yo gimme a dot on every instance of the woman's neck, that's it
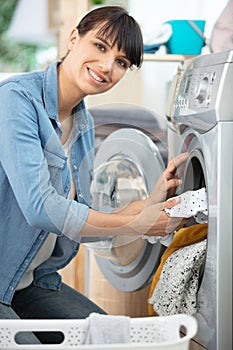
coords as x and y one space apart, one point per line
66 99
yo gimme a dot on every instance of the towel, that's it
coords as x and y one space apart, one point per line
182 238
160 35
107 329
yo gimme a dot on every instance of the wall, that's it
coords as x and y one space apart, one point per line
154 12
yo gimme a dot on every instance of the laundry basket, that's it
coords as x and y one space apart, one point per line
158 333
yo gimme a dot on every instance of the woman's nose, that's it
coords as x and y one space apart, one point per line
106 64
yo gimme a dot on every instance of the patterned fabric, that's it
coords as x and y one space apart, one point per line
177 287
184 237
193 203
166 240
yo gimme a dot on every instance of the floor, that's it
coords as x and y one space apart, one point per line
196 346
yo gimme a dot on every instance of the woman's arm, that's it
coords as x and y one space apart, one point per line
150 220
145 216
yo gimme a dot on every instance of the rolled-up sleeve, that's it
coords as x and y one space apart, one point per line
23 139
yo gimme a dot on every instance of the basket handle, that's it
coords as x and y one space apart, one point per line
190 323
197 29
11 328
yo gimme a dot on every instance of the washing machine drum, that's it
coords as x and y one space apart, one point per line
127 165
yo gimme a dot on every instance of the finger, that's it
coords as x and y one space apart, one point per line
171 203
180 158
176 162
173 183
174 224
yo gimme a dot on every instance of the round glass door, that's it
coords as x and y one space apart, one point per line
127 166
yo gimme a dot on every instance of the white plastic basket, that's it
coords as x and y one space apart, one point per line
158 333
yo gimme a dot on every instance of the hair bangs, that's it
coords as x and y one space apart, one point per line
122 33
116 25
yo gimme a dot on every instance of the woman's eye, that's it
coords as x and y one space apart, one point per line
122 63
100 47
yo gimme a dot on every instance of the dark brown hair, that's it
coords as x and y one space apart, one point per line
119 27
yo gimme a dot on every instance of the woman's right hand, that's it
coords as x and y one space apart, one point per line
167 183
153 220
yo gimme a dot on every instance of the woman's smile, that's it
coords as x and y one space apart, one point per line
96 76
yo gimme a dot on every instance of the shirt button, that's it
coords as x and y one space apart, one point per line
75 167
80 195
81 126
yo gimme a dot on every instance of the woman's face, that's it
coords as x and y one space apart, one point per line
93 65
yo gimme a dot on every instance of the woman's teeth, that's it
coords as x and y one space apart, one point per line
95 76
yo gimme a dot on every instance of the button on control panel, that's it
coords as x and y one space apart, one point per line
202 90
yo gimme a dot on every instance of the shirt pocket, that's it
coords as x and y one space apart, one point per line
56 164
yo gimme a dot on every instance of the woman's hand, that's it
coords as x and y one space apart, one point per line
166 185
153 220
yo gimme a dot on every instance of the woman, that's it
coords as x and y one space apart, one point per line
46 162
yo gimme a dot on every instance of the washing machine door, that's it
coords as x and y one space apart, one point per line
127 165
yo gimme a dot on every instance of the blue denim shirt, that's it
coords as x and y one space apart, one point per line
35 179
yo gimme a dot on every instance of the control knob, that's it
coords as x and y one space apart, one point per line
202 90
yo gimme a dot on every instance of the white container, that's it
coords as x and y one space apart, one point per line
158 333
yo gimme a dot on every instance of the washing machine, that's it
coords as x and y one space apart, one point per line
200 121
128 163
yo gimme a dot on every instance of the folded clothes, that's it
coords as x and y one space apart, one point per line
151 48
160 35
185 237
153 40
107 329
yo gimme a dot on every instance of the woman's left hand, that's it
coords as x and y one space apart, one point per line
166 185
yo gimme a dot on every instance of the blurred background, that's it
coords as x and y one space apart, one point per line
31 32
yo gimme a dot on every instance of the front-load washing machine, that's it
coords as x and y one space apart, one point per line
200 121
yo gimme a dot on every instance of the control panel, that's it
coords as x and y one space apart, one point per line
200 93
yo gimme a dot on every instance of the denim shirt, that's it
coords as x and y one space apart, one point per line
35 179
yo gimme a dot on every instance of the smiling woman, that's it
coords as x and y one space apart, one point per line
118 28
47 139
106 42
94 64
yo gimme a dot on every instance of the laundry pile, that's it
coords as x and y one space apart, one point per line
175 283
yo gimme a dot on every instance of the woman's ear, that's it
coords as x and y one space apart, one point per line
72 39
